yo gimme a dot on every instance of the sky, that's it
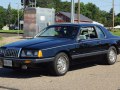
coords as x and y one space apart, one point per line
102 4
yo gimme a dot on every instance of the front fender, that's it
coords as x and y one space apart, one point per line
51 52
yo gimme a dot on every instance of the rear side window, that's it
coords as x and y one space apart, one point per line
88 32
100 33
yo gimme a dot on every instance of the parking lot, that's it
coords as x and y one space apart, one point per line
82 76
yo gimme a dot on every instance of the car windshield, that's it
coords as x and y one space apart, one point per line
59 31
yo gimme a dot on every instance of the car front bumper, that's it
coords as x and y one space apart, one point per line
18 63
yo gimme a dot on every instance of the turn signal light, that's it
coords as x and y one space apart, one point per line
40 54
27 61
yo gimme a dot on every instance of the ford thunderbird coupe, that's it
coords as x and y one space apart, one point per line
57 45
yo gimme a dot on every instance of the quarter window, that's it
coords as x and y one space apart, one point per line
101 35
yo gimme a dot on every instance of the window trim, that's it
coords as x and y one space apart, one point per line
45 29
79 33
101 31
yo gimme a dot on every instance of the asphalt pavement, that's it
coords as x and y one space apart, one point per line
82 76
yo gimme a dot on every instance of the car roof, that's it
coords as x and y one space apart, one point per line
75 24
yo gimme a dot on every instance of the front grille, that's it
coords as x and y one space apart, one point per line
10 52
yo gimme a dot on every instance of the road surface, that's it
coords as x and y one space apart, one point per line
82 76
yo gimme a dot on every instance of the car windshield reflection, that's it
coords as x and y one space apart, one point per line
59 31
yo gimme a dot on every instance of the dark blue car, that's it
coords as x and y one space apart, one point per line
57 45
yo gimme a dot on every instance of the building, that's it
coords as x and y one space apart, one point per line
36 19
65 17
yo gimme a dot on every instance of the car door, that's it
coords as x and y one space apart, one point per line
104 42
88 43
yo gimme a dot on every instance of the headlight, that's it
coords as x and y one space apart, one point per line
31 53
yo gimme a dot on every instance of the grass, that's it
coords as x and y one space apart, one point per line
1 38
2 44
116 32
12 31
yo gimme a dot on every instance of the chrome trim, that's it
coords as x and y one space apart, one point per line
59 46
87 40
12 52
52 58
89 54
33 60
19 52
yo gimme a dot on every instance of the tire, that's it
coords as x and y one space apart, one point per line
111 56
60 65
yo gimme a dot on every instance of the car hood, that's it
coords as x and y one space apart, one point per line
39 43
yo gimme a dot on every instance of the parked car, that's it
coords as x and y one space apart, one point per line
58 44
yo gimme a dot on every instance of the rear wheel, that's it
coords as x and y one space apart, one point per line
111 56
60 65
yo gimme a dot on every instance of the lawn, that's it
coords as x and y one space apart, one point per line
0 38
116 32
1 44
12 31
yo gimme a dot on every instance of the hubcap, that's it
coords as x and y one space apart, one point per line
62 64
112 56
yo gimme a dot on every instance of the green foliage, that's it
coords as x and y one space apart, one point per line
117 20
116 32
2 44
1 38
2 14
49 4
93 12
65 7
9 15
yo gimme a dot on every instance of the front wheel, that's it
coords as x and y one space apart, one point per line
60 65
111 56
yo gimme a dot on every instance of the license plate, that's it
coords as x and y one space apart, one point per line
8 63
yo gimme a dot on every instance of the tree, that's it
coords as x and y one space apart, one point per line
82 8
49 4
9 15
57 4
65 6
14 19
103 18
109 18
3 19
93 11
118 15
117 20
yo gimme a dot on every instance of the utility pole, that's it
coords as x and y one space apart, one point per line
72 11
18 19
35 3
113 14
78 11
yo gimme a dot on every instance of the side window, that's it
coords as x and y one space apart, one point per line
101 35
88 33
